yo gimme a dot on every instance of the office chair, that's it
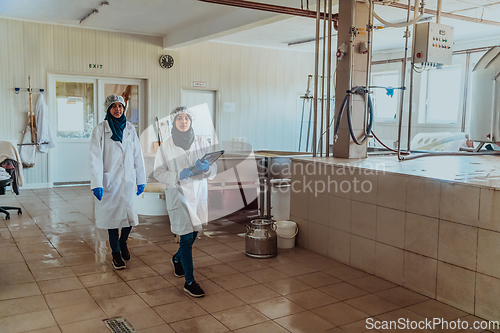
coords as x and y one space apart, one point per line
3 209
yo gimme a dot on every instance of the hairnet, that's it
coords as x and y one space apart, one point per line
181 109
112 99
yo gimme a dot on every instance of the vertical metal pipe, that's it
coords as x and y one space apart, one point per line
329 76
368 61
464 109
351 53
410 108
316 63
323 83
262 189
268 189
438 15
403 79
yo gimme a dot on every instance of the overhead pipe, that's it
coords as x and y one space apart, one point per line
449 15
274 9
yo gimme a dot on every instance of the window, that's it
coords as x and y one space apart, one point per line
385 107
443 95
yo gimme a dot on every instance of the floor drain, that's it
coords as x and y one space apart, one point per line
119 325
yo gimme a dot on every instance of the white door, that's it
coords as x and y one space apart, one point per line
190 98
73 110
76 106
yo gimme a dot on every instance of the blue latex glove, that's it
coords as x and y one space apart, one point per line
185 173
98 192
202 165
140 189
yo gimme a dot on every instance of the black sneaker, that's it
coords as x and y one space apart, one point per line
118 261
194 289
125 251
178 270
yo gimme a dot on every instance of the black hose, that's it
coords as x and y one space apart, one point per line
345 103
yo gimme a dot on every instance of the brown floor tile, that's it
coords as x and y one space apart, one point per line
66 298
255 293
116 306
402 296
345 273
99 279
95 325
78 312
343 291
203 324
340 314
218 302
22 305
158 329
287 286
19 290
215 271
143 318
248 264
134 273
277 307
304 322
265 327
180 311
295 269
318 279
372 304
311 299
266 275
163 296
150 283
240 317
435 309
27 322
109 291
235 281
371 283
53 273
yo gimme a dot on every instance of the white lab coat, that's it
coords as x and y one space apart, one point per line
117 167
43 134
186 200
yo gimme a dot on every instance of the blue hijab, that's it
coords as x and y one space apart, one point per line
117 125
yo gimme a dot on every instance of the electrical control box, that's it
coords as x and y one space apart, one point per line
433 44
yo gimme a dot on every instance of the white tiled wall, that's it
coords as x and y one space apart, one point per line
438 238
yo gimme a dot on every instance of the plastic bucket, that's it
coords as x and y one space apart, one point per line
286 231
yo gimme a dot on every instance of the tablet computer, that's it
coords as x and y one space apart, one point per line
210 157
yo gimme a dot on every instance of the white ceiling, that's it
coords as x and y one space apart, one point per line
181 22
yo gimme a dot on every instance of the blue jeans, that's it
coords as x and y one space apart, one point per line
185 255
114 241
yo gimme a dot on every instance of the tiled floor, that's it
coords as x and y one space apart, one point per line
55 276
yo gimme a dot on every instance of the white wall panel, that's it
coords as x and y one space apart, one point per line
263 83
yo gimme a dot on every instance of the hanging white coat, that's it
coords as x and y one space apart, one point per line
43 134
186 200
117 167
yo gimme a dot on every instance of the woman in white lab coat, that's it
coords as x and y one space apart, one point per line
178 165
117 176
